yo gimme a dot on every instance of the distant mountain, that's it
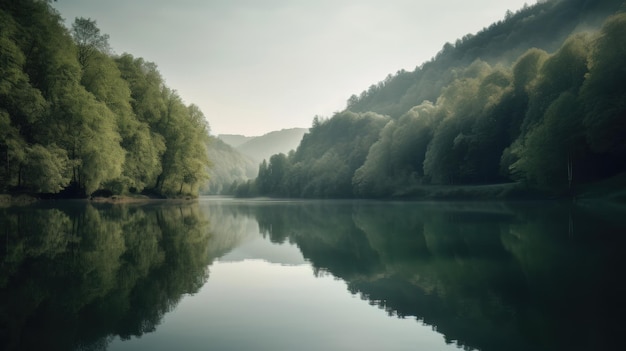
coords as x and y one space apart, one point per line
262 147
235 140
227 166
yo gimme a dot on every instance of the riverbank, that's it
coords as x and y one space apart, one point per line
8 200
488 192
611 189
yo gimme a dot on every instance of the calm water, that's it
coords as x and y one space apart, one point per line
223 274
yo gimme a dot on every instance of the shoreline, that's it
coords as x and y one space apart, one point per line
8 200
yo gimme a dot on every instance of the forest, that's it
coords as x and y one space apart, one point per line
535 103
77 120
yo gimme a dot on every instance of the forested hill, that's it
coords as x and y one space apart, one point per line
75 119
537 99
229 167
235 158
545 25
266 145
234 140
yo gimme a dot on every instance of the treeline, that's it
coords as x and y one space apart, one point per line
544 25
549 121
325 161
76 119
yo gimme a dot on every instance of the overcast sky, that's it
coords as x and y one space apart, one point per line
255 66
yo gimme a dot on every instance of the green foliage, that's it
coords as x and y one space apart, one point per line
549 147
604 92
88 39
549 120
544 25
396 159
86 129
73 116
46 170
325 162
184 162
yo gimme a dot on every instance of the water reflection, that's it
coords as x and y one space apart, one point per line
485 276
75 274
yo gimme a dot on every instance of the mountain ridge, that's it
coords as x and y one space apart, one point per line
260 148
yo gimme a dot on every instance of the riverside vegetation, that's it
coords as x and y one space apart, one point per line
534 103
76 119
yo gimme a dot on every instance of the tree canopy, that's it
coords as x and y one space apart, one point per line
548 115
76 119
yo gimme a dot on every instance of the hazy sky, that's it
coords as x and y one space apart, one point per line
254 66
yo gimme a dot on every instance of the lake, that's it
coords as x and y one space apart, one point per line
226 274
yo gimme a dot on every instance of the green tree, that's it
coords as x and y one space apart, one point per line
396 160
276 174
144 144
46 170
21 105
88 39
329 155
604 93
185 132
460 105
86 129
552 143
515 105
553 147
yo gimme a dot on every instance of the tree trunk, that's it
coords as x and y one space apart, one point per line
19 176
570 174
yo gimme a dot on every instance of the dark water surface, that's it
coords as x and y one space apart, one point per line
224 274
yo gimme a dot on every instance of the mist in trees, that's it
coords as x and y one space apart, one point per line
324 164
229 168
547 121
75 118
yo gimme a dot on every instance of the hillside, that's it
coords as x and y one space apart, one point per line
234 140
262 147
545 25
75 119
536 99
228 166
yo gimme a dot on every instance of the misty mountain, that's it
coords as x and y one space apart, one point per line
262 147
228 166
235 140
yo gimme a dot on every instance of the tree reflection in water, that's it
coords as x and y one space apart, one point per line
487 276
76 274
